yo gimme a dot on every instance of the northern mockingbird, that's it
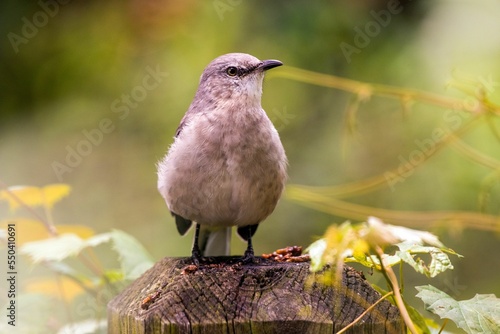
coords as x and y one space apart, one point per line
227 166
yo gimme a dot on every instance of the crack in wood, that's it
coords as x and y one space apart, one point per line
226 297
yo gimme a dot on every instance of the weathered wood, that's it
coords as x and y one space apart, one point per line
268 297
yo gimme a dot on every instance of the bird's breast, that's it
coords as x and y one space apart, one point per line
231 170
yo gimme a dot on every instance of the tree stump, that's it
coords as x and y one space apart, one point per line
266 297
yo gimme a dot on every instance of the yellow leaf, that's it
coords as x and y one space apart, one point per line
35 196
53 193
360 247
62 288
30 196
27 230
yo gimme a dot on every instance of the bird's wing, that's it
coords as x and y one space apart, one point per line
179 128
183 224
187 117
247 232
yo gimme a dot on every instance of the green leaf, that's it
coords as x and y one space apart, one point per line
98 239
53 249
60 247
113 276
134 258
481 314
339 242
355 243
316 251
418 320
440 261
374 262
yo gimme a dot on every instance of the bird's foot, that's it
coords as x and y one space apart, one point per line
196 256
248 258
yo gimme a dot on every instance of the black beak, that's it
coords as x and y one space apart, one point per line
268 64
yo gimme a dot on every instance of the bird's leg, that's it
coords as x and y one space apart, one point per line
249 255
195 252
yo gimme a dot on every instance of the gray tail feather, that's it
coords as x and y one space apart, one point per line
215 242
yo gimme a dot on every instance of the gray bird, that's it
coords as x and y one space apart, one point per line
227 166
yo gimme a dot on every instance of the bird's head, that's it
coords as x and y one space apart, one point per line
235 76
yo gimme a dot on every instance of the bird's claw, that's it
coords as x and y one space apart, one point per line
248 257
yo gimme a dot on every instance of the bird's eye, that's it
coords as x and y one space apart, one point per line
231 71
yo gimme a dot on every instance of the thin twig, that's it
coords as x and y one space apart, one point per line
373 183
51 228
365 312
443 326
424 219
369 89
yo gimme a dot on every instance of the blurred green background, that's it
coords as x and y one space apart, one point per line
67 68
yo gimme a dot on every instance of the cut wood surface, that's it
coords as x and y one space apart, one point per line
224 296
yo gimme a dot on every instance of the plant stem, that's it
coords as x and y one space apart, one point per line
443 326
51 228
393 281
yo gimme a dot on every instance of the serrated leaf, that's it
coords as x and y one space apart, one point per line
373 261
34 196
382 234
353 243
60 247
98 239
53 193
422 324
480 314
53 249
134 259
440 261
